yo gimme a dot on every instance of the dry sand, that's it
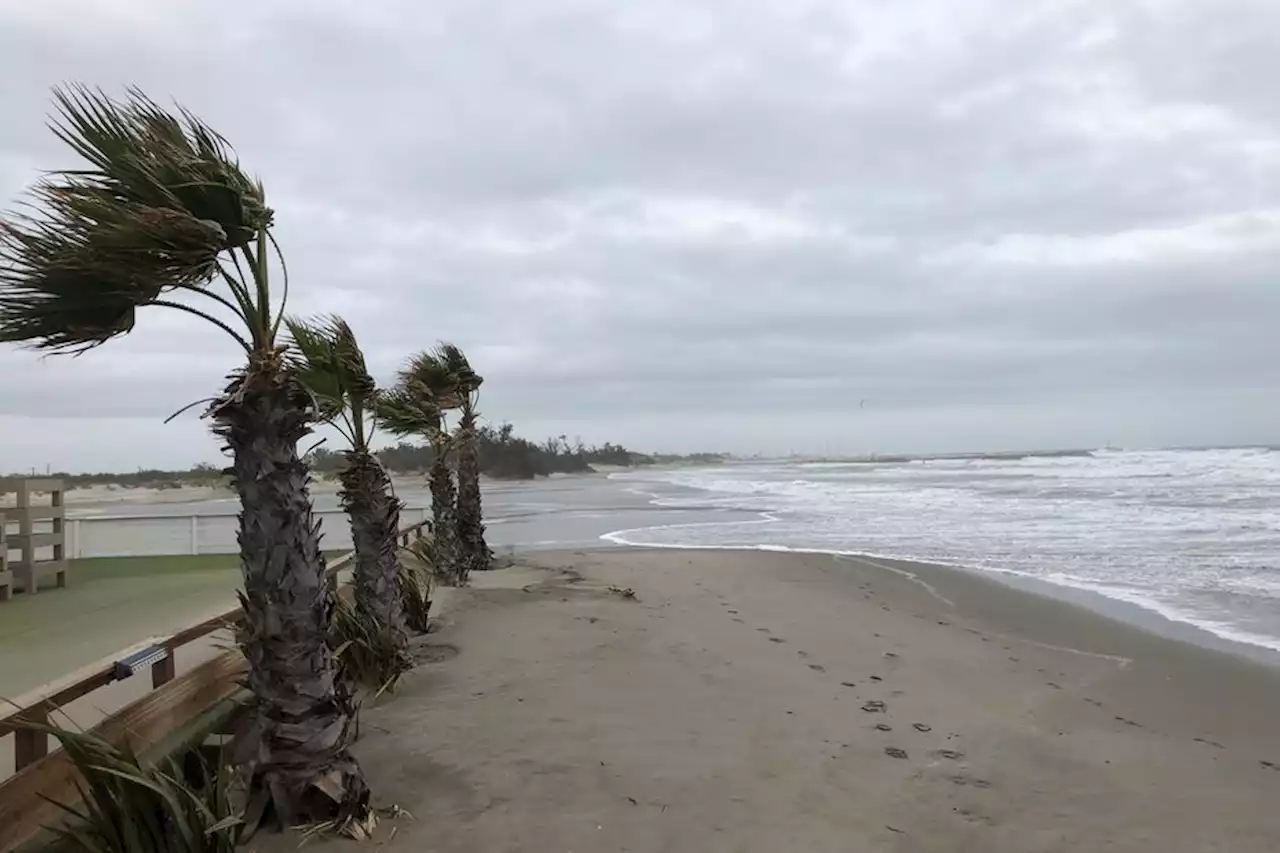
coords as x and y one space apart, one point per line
752 701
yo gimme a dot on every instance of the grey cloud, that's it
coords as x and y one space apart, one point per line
672 226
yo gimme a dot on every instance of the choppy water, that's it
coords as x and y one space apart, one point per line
1191 534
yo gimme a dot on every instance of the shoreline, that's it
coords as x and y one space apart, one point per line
751 700
1148 616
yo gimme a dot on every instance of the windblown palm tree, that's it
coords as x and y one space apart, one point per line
416 406
474 554
163 209
332 367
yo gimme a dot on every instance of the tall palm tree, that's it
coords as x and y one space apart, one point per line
332 366
163 209
474 553
428 386
410 408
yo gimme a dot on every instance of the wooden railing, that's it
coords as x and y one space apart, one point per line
173 700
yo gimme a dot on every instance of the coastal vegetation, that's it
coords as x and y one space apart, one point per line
161 215
371 632
501 454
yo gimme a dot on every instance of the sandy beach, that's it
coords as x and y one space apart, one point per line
755 701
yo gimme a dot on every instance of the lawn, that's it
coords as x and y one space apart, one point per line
109 603
94 569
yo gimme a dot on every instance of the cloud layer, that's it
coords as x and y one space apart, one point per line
717 227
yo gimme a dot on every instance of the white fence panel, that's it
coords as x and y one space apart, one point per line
155 535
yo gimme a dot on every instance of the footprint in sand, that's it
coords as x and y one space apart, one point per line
847 684
894 752
764 630
921 727
974 816
969 781
874 706
883 727
876 678
949 754
739 621
802 653
817 667
734 612
776 640
1093 702
1206 742
1129 722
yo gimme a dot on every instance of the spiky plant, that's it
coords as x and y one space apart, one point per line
416 406
474 553
131 806
329 360
416 584
162 209
366 651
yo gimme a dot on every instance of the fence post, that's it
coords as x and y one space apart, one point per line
30 746
162 672
76 549
195 534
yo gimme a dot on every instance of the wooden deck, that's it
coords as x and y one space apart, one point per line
173 702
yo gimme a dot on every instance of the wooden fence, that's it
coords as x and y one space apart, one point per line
173 701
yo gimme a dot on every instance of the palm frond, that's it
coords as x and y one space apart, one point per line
367 652
430 373
416 583
163 196
143 154
455 362
329 361
408 409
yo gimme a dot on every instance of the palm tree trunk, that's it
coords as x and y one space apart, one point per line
375 524
303 715
475 551
444 525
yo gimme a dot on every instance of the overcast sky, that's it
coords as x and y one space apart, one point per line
748 225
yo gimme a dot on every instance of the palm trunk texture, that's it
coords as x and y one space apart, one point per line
298 743
444 525
475 551
375 524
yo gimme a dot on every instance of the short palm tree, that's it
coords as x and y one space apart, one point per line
332 366
416 406
474 554
163 209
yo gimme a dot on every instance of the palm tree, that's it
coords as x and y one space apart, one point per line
163 209
332 367
411 409
427 388
474 553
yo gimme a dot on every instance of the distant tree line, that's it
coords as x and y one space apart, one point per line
503 455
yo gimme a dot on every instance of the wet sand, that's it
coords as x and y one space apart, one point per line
751 701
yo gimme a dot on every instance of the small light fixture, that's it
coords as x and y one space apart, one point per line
142 658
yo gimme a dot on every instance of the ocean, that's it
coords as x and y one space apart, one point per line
1192 535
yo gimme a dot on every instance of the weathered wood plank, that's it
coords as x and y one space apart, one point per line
24 809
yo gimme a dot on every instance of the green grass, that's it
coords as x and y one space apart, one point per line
112 568
109 604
